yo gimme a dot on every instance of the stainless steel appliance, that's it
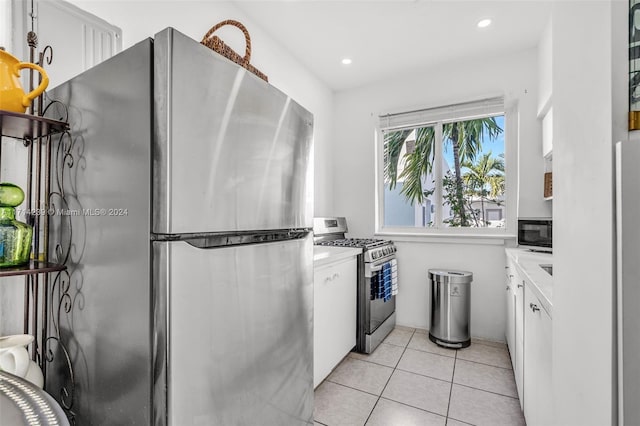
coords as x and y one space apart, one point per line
192 290
628 276
376 312
535 234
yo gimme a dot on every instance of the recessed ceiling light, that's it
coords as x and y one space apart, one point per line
346 61
484 23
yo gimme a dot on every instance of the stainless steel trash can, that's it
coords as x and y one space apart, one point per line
450 307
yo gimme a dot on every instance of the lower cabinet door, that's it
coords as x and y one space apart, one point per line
518 369
334 320
538 403
511 319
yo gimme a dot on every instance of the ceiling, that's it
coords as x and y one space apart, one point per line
395 37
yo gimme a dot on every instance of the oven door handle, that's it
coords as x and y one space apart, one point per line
371 269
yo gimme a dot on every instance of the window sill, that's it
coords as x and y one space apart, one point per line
447 238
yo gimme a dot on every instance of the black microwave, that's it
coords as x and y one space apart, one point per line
535 234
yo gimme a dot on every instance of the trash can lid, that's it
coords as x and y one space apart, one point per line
449 276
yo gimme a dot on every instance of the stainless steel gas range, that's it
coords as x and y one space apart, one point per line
377 280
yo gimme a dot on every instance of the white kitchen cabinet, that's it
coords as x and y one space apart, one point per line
511 313
518 370
334 323
538 403
515 324
547 133
518 301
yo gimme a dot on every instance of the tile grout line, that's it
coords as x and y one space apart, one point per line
439 354
453 373
424 375
488 365
447 381
412 406
350 387
391 375
487 391
395 368
484 363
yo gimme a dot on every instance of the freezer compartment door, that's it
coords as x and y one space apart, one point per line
231 151
234 342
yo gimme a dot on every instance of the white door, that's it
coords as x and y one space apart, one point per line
79 40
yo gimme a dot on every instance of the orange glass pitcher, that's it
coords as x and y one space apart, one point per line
12 97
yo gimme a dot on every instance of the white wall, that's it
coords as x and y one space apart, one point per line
515 77
583 293
545 59
141 19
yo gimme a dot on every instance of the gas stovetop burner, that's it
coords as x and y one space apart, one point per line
365 243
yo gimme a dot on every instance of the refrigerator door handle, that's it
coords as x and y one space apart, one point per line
212 240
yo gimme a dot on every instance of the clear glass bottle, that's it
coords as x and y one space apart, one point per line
15 236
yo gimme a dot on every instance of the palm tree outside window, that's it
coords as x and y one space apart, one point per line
445 174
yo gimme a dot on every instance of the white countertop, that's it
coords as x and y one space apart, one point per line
323 255
529 263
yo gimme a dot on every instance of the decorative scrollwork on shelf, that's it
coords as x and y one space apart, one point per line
61 292
46 56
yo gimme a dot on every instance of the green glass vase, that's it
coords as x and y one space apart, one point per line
15 236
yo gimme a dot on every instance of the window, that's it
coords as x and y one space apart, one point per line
443 170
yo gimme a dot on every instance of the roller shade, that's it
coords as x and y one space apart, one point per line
455 112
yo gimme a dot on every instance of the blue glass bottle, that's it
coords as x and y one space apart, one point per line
15 236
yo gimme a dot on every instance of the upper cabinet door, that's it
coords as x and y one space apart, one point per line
547 134
79 40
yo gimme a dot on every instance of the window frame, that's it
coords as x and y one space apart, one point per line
440 116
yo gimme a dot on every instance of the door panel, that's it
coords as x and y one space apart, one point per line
80 40
334 333
232 152
240 333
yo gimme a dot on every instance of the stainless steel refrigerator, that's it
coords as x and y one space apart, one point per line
191 264
628 280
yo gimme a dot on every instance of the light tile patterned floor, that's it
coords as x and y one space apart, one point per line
409 380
